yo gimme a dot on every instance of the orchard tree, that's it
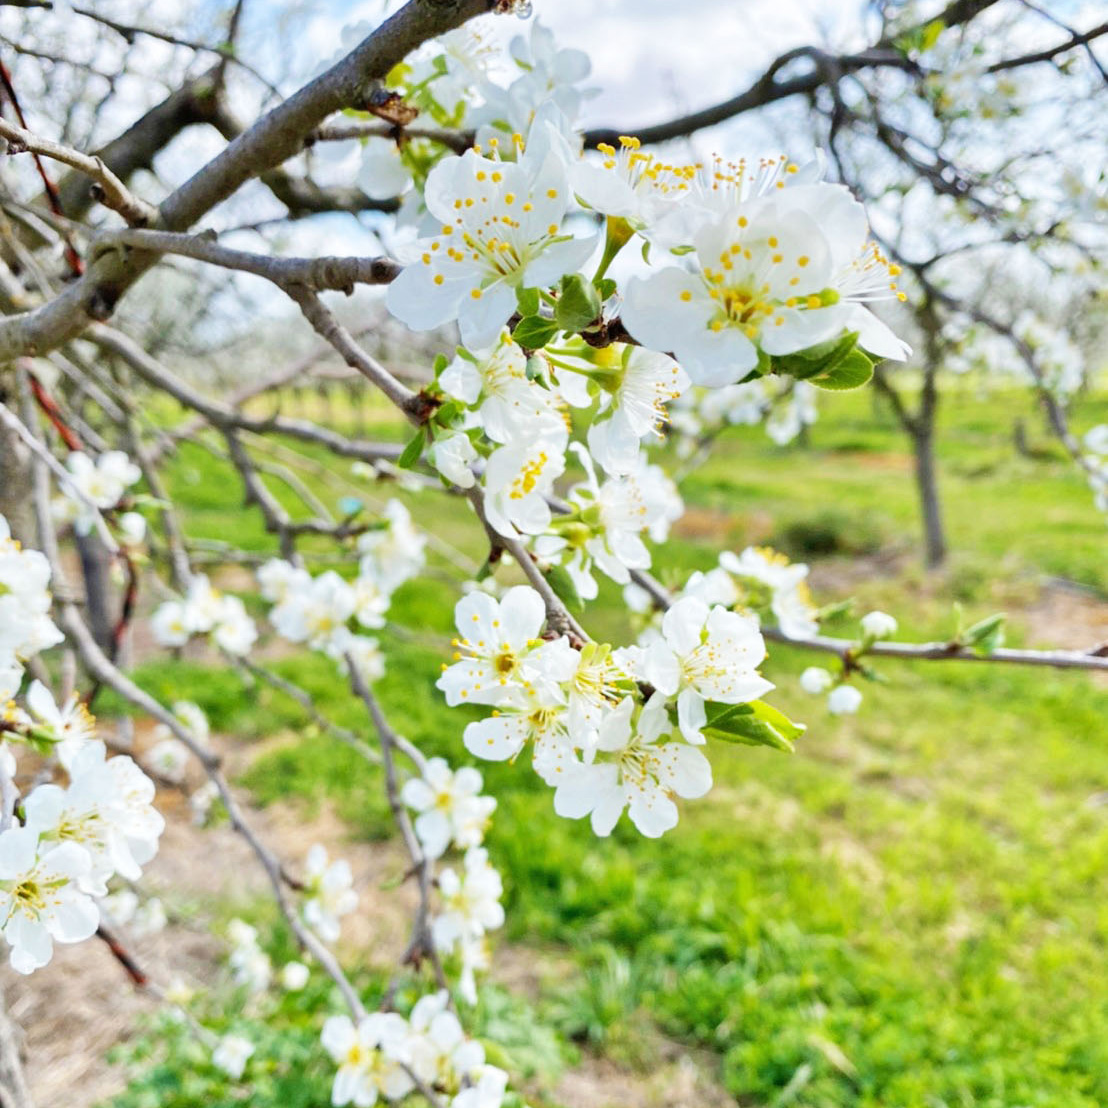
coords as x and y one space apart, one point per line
603 287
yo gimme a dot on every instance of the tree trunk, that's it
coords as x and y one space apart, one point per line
15 507
934 536
15 482
923 444
95 569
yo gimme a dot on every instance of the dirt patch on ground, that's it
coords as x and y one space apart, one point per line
1066 616
680 1081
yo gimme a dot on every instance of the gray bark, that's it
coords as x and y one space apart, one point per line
15 506
13 1087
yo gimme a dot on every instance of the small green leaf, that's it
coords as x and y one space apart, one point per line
412 452
439 364
854 371
448 412
985 636
528 301
931 34
753 724
534 332
606 287
578 304
564 588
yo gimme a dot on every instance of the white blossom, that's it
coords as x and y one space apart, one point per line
776 273
605 530
488 1092
371 1057
202 610
294 976
451 809
150 918
540 719
815 679
382 174
636 396
40 897
705 654
71 724
789 601
494 382
501 229
878 625
169 759
518 479
250 965
498 655
119 908
132 528
107 810
393 553
453 455
279 580
1096 439
231 1055
844 700
632 770
316 613
441 1054
470 901
25 624
329 893
100 483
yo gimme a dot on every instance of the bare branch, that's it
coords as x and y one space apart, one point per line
327 273
1095 658
111 191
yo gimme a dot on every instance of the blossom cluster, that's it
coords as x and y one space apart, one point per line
321 610
750 270
74 838
205 610
1096 443
384 1055
25 624
96 485
453 813
594 736
845 698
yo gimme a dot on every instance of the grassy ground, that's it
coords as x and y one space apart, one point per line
910 912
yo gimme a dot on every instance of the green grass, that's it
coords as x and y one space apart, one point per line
912 910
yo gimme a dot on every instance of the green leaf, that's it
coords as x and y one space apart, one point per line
578 304
985 636
448 412
753 724
535 331
440 363
564 588
606 287
854 371
931 34
821 358
412 452
528 301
